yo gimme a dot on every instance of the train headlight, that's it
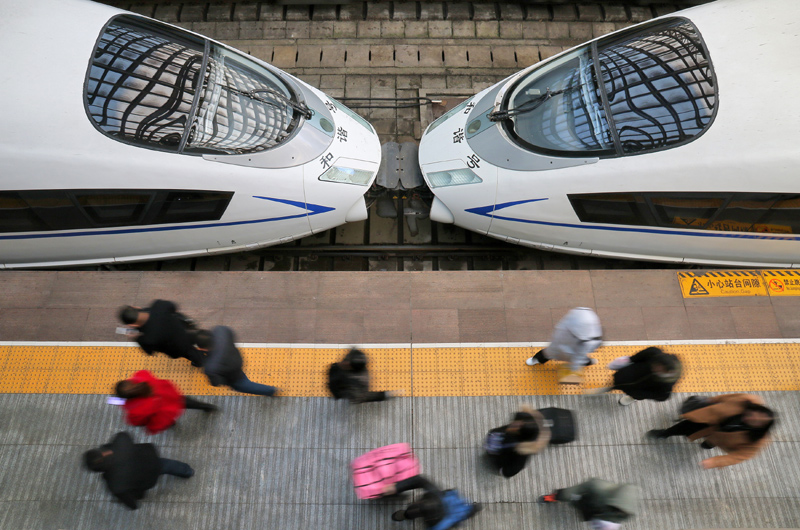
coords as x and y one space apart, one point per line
453 177
347 175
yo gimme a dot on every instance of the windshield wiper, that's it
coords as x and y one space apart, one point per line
274 98
528 106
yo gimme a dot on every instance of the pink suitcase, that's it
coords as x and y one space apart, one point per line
381 467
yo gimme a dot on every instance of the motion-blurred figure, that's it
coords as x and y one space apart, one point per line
649 374
131 469
224 362
349 379
576 336
510 446
161 328
438 509
739 424
602 503
154 403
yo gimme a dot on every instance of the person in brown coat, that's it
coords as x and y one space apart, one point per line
738 424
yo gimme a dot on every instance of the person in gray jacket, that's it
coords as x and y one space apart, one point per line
224 362
576 336
602 503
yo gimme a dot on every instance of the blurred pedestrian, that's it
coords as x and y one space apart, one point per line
510 446
349 379
739 424
224 362
438 509
131 469
161 328
602 503
649 374
154 403
575 336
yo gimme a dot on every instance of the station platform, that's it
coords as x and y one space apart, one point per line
455 343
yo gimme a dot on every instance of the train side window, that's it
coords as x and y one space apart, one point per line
743 212
114 209
686 209
16 215
612 208
782 217
192 206
659 85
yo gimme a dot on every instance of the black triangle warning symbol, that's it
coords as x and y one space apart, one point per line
697 289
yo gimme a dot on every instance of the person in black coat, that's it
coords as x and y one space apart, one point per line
224 362
432 507
349 379
650 374
131 469
161 328
509 447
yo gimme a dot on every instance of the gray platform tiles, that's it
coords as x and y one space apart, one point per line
284 464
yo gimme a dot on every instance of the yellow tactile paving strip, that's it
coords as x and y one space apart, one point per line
445 371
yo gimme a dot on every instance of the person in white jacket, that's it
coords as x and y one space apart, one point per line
576 336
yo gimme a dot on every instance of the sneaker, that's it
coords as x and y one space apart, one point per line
626 400
531 361
658 434
544 499
189 473
399 515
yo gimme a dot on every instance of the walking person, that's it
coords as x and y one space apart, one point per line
162 329
131 469
649 374
349 379
438 509
739 424
154 403
224 362
509 447
603 504
575 336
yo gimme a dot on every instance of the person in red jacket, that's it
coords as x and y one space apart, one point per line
154 403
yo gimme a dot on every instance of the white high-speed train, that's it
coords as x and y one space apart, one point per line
675 140
127 139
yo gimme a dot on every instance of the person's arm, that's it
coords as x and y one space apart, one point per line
416 482
142 340
738 456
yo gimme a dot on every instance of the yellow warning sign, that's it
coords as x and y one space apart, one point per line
782 282
707 284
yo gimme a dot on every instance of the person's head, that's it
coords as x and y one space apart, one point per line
523 426
666 366
132 316
95 460
355 361
203 339
758 417
130 390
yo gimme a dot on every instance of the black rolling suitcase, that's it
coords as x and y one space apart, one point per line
561 423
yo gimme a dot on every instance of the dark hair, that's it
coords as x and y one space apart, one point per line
128 314
529 431
357 360
94 460
757 434
203 339
128 389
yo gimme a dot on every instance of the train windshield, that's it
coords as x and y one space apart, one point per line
155 86
655 90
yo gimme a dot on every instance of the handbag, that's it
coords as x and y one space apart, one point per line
693 403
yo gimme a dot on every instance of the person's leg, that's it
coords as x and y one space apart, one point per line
245 386
195 404
196 357
374 396
682 428
176 468
541 357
